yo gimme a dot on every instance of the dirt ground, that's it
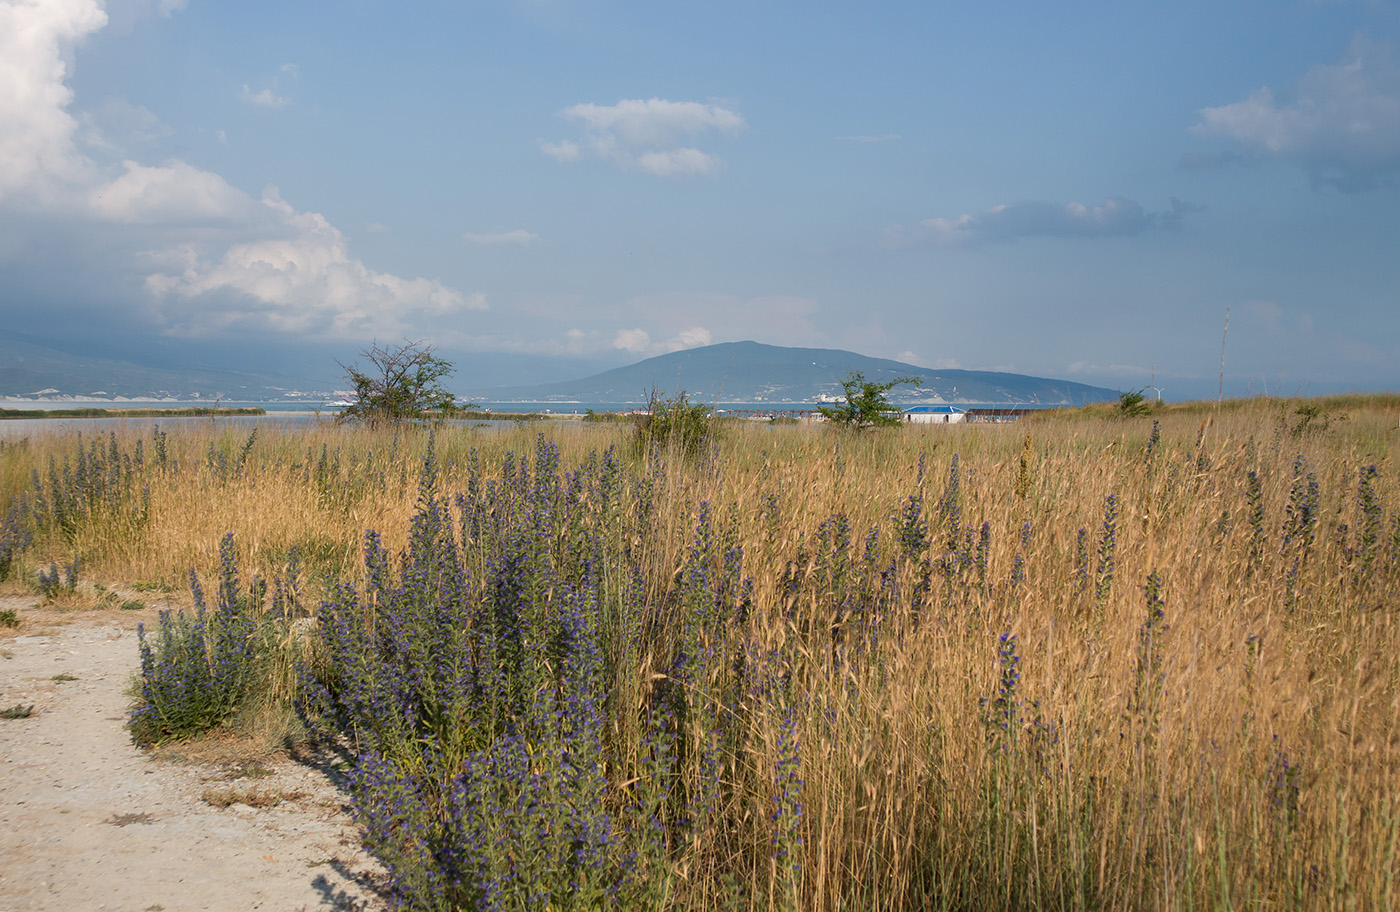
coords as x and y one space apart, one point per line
90 822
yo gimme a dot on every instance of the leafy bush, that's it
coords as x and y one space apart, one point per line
1134 404
675 423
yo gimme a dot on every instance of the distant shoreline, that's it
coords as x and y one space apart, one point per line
199 411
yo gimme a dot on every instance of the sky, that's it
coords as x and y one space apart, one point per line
1123 194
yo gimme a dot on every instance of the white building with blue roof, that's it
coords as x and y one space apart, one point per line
935 414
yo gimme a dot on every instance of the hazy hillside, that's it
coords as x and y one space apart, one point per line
111 367
28 368
742 372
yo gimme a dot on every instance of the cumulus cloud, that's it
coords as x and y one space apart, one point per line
633 340
673 162
672 320
650 135
517 238
639 342
37 154
266 98
1115 217
124 14
563 151
1341 124
270 97
219 256
304 282
172 193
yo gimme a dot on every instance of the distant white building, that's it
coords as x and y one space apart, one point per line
935 414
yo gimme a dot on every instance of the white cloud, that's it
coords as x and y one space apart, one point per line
271 97
633 340
639 342
518 238
676 317
563 151
266 98
220 256
694 337
1341 124
305 282
175 192
37 154
647 135
125 14
673 162
1116 217
654 122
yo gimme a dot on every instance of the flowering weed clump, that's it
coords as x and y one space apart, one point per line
201 666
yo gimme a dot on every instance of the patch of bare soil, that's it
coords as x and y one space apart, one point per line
88 821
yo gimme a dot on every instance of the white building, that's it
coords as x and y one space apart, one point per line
935 414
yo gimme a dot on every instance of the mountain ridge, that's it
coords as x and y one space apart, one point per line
752 372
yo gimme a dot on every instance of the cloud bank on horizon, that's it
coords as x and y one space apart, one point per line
944 186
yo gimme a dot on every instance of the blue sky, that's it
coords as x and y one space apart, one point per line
1079 190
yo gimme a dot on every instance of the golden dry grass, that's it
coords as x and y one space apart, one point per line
1244 755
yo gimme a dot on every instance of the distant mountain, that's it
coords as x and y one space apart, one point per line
749 372
31 368
112 366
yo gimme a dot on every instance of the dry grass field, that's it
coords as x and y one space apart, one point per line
1077 662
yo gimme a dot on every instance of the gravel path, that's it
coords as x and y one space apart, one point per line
90 822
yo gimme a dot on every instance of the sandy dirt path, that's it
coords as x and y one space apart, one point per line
90 822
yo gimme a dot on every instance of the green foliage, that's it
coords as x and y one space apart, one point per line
9 618
1134 404
677 423
199 666
400 383
866 405
18 711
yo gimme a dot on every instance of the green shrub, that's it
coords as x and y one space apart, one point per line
675 423
1134 404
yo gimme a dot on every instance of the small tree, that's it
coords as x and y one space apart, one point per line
401 382
866 405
